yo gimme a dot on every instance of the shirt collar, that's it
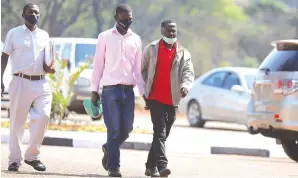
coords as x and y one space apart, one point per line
162 45
26 29
129 31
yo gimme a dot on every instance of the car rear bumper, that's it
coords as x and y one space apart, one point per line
266 121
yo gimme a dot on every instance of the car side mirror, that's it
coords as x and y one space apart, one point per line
238 89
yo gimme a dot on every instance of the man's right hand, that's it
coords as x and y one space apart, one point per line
2 88
94 97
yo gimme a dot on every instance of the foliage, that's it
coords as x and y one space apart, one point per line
62 85
216 32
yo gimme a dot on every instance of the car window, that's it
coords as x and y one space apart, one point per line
84 52
215 79
249 79
66 51
231 80
281 61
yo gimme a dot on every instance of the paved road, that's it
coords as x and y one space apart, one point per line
78 162
198 141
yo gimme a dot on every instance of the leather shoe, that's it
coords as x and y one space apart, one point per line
13 167
105 157
37 165
165 172
114 173
152 172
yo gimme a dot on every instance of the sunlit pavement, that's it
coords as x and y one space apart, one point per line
78 162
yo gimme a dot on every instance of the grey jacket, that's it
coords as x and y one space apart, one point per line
182 73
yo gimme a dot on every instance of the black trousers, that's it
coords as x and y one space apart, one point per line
162 117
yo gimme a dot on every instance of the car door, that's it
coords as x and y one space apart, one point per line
211 94
233 103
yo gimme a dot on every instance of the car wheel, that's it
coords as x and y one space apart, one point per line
96 118
194 115
291 148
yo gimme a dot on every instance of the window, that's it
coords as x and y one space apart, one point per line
215 79
281 61
231 80
249 79
66 51
84 52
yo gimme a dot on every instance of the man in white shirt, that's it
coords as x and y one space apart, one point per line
29 92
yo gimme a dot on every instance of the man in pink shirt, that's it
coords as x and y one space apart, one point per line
117 69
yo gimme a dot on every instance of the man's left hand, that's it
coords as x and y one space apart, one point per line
183 92
145 100
48 69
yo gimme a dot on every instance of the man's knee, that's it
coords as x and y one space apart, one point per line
160 133
125 133
114 135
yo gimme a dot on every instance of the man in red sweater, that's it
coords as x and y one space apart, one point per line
168 73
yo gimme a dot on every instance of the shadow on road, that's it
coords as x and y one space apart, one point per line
54 174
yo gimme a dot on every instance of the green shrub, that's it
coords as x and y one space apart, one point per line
61 94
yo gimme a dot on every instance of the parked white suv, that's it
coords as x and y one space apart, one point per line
273 109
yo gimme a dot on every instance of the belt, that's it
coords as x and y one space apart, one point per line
118 85
30 77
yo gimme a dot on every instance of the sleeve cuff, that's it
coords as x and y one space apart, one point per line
94 87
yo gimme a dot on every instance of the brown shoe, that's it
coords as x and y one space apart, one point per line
165 172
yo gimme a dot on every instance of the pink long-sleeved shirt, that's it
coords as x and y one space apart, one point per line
117 60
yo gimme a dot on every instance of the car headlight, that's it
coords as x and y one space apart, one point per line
82 82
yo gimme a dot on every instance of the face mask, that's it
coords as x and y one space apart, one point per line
125 23
32 19
169 40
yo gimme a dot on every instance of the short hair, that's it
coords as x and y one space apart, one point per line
123 8
27 6
166 22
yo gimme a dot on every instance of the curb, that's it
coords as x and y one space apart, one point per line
79 143
241 151
53 141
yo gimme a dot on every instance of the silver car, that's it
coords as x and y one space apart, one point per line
273 109
222 94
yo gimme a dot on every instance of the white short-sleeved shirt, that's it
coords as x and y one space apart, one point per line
26 50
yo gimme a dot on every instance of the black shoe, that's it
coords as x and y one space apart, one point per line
165 172
152 172
13 167
37 165
105 157
114 173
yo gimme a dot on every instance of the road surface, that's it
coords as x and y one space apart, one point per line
86 162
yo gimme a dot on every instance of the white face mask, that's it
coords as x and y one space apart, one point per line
169 40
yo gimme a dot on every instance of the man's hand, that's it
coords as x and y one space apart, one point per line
145 99
2 88
183 92
48 69
94 97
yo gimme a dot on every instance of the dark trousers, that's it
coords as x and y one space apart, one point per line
163 117
118 111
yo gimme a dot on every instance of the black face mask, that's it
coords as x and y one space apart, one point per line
125 23
32 19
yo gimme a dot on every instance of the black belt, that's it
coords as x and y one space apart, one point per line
30 77
118 85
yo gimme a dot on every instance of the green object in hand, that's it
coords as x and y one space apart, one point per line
91 109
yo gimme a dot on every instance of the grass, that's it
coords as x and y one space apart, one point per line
79 128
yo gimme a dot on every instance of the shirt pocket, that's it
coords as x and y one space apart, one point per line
23 44
131 50
40 45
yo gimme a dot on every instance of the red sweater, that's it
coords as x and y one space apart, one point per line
161 88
